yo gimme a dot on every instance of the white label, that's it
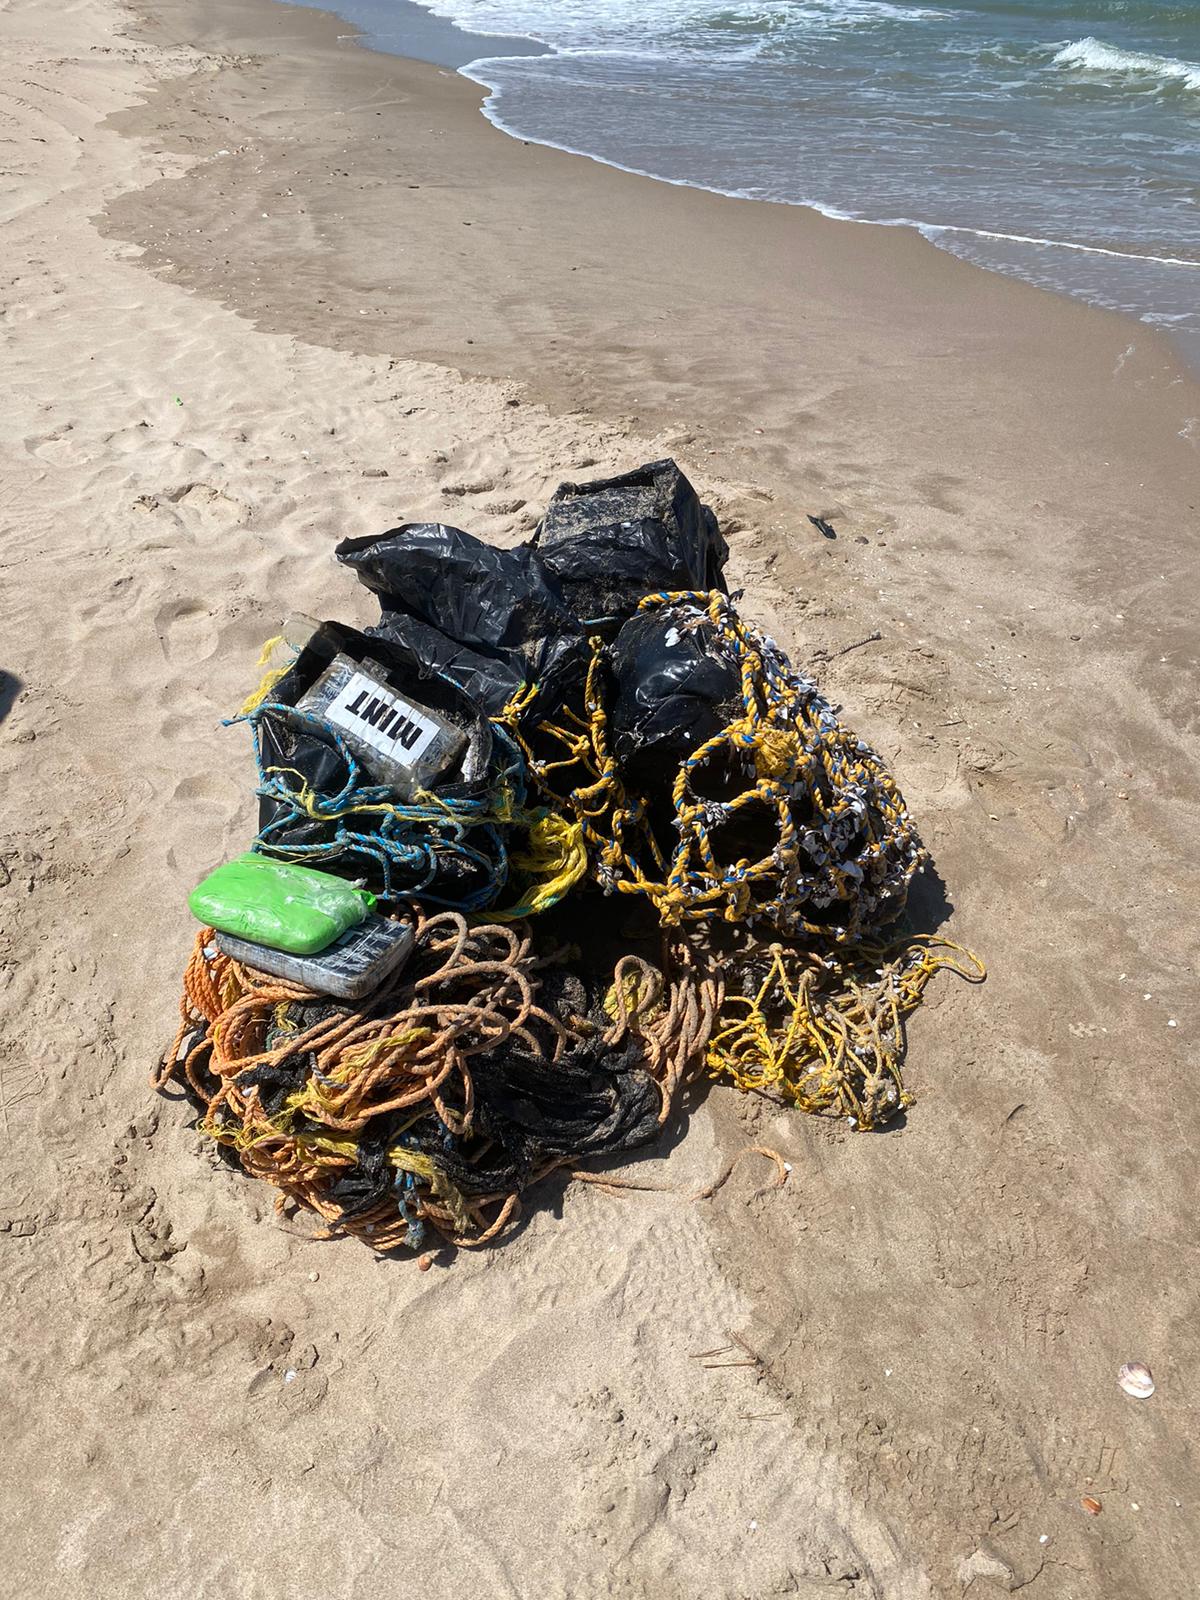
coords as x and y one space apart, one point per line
380 718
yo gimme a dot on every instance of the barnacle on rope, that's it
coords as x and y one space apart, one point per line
821 839
825 1033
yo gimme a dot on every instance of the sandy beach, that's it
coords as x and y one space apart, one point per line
262 289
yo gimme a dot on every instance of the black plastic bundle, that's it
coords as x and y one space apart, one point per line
611 541
317 809
674 687
490 619
497 620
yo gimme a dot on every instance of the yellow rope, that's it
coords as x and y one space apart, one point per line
269 678
827 1035
355 1060
575 769
636 996
556 860
423 1166
843 846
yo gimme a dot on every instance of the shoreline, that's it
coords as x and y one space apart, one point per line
432 322
759 256
424 35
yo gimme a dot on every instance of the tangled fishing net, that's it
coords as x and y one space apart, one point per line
782 816
477 1070
648 769
827 1035
321 807
446 849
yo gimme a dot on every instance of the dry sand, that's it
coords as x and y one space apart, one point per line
199 1402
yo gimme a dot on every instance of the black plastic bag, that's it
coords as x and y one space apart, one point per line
674 689
503 605
592 1101
611 541
491 682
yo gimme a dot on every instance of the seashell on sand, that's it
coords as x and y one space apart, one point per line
1136 1380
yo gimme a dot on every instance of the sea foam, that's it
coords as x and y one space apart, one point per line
1093 55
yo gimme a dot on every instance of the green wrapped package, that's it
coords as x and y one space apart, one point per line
279 904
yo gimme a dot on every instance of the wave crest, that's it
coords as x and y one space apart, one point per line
1093 55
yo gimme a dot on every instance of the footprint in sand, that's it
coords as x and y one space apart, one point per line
186 631
183 694
206 788
129 441
114 604
455 491
209 507
61 448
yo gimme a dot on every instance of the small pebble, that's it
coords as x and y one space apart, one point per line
424 1262
313 1276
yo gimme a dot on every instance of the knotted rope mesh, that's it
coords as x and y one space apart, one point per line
783 818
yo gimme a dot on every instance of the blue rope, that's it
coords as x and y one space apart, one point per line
413 842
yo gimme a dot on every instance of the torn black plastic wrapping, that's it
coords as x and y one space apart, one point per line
528 1108
499 605
491 682
593 1101
613 540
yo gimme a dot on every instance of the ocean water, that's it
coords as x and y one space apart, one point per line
1056 140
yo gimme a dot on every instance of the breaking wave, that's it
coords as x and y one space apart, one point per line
1093 55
